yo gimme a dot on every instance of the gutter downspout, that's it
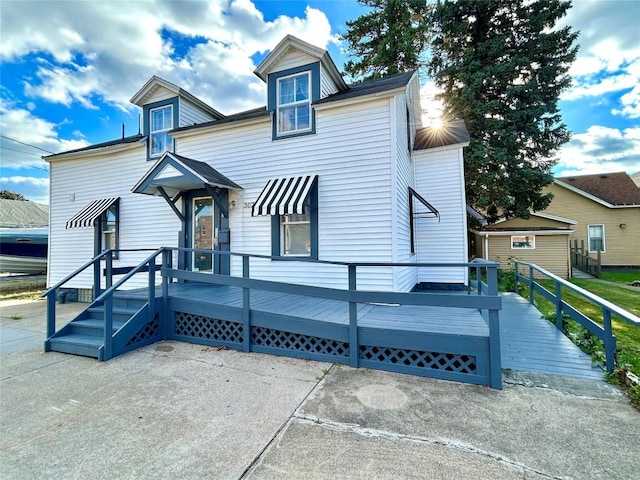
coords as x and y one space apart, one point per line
486 246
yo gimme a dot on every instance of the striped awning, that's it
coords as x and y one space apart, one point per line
88 215
282 196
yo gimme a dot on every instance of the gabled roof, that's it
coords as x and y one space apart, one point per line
450 133
370 87
289 43
97 146
155 83
174 173
614 189
249 114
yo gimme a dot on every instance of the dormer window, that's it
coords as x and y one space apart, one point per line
160 122
291 94
294 104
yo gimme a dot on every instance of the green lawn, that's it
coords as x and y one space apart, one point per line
623 276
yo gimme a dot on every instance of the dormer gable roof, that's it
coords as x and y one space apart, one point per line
155 83
289 43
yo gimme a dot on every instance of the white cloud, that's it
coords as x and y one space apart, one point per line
21 125
609 57
109 62
601 149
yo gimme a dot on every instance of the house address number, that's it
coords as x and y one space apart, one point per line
247 204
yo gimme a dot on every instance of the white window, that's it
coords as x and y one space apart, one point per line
160 121
596 238
294 104
109 230
295 234
523 242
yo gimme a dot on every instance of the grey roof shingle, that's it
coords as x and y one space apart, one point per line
206 171
369 87
110 143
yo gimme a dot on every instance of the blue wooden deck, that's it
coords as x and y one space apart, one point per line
528 342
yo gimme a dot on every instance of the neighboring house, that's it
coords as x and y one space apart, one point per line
542 239
325 171
606 208
636 178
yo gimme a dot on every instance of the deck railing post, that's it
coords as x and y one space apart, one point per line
531 284
164 311
96 278
479 279
495 364
516 287
152 289
558 302
108 271
609 340
354 347
108 328
246 307
51 315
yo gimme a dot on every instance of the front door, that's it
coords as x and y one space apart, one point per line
204 234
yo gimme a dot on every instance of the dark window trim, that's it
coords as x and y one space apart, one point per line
98 232
272 90
146 128
310 205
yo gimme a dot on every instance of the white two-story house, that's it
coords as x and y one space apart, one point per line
325 171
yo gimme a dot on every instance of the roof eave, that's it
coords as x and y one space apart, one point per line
94 151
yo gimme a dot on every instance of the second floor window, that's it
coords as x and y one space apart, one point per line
294 104
161 122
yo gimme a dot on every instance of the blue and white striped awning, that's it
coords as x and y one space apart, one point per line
282 196
88 215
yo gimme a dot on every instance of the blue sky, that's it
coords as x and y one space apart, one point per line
69 69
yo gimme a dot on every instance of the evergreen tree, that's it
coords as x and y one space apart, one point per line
502 66
387 40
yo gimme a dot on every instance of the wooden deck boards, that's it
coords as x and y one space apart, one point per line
528 342
531 343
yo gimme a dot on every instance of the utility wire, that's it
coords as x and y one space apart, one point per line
26 144
21 151
23 165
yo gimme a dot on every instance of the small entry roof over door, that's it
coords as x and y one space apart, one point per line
174 174
88 215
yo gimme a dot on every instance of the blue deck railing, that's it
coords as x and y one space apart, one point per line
485 298
603 332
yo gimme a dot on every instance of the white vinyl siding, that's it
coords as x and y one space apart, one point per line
190 114
351 160
145 221
327 87
293 59
159 95
406 277
439 175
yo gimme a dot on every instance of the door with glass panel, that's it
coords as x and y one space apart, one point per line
204 234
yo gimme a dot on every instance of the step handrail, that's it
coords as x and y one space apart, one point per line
50 293
74 273
107 298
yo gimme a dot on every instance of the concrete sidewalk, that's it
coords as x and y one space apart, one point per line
177 410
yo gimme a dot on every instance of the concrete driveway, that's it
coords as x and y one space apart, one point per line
176 410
